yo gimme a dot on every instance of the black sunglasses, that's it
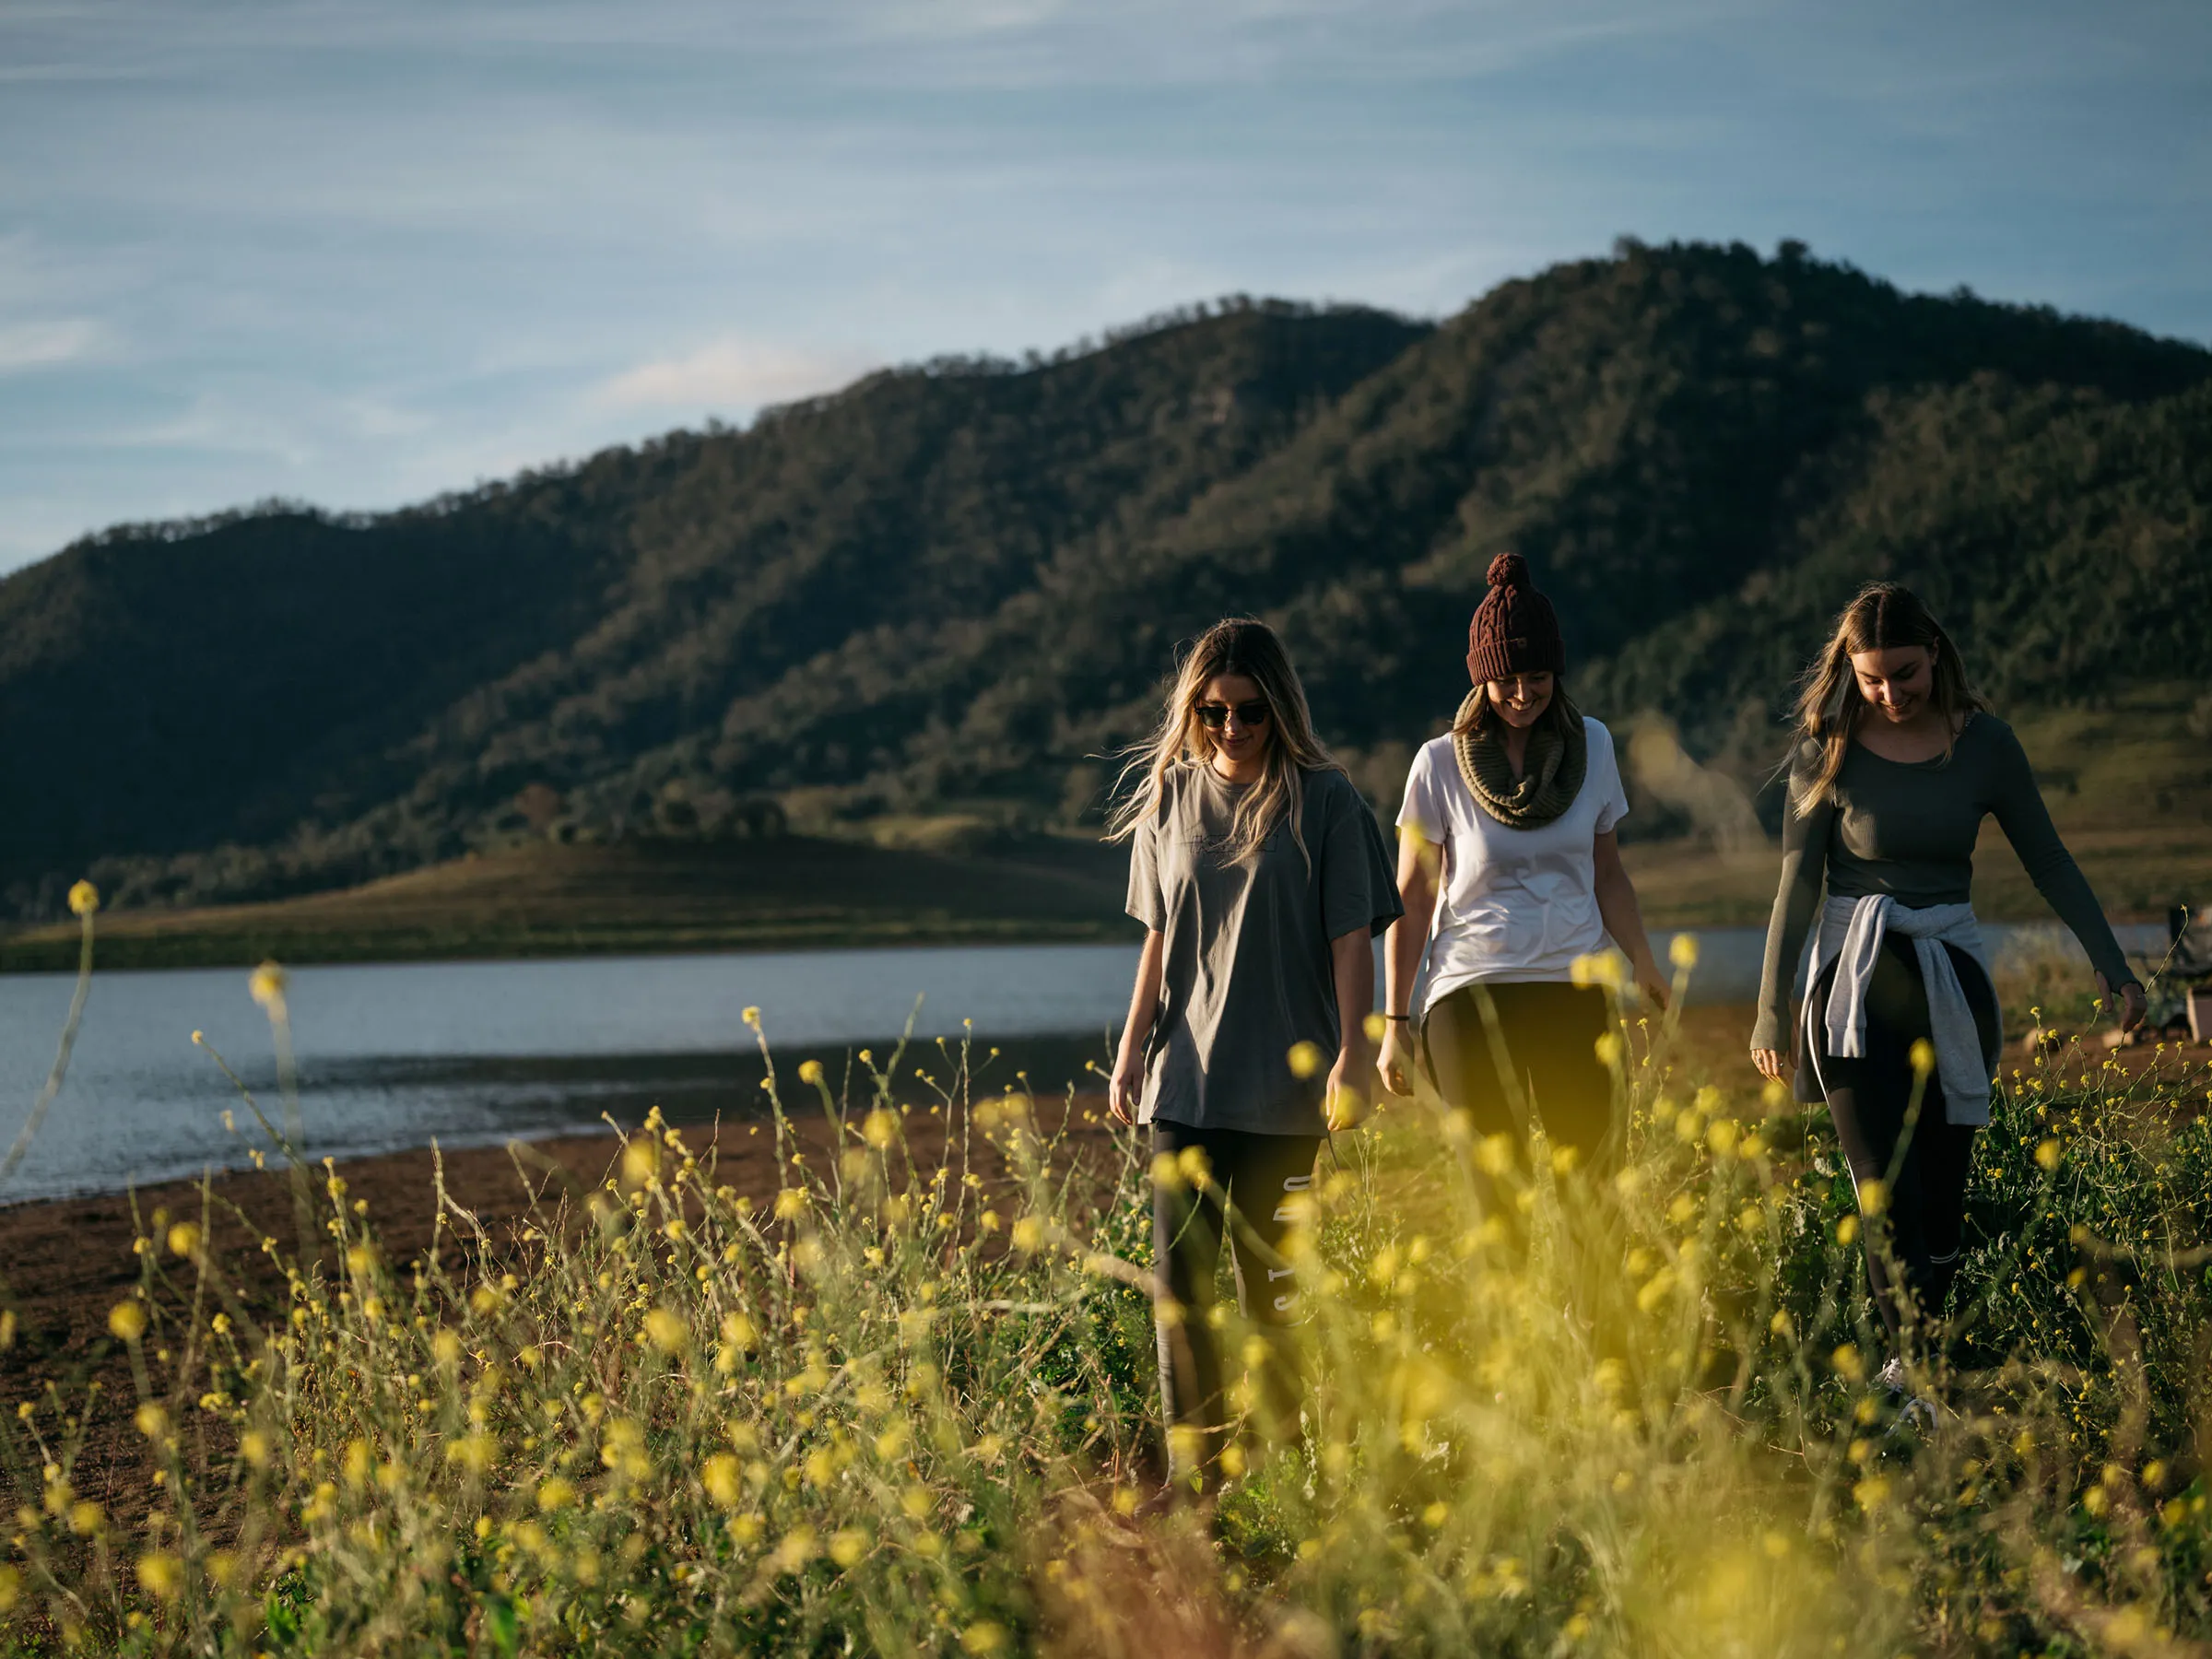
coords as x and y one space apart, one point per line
1213 716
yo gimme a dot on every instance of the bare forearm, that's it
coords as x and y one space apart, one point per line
1144 998
1623 917
1402 946
1353 960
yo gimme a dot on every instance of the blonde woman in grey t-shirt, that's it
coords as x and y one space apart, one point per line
1260 876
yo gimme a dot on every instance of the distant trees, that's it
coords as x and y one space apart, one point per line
951 588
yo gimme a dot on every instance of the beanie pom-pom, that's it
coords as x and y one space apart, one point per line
1509 570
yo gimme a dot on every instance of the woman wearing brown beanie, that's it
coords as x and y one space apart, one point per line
1521 799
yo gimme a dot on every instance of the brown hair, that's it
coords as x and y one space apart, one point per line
1241 646
1478 714
1883 616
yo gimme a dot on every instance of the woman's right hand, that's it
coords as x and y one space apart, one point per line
1769 1062
1125 1087
1396 1062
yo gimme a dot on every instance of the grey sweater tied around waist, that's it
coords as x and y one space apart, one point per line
1850 937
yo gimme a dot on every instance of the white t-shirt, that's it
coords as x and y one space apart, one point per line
1516 904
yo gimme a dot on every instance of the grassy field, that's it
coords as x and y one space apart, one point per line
794 893
903 1405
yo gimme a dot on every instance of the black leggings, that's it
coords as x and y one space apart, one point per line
1256 1172
1870 1099
1551 1032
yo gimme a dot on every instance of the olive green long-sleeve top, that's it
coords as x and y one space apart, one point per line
1907 829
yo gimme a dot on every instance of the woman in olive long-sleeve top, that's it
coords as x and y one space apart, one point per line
1896 763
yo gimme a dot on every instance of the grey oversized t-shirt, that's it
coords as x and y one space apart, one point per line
1246 971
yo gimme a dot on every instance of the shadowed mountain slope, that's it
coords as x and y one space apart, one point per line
949 589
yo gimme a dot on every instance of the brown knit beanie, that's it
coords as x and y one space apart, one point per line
1515 630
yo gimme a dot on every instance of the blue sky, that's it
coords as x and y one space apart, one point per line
361 253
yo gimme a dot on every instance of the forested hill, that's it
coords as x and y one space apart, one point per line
948 588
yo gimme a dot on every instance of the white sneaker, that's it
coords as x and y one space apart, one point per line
1892 1375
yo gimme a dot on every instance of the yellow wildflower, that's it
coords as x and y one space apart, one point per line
796 1550
268 985
161 1573
720 1477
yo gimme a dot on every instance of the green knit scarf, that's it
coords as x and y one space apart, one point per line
1549 782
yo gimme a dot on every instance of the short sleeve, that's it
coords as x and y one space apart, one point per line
1358 888
1614 804
1423 807
1146 901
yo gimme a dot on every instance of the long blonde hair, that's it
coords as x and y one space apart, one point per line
1883 616
1246 648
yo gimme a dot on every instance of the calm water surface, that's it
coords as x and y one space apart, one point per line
390 1055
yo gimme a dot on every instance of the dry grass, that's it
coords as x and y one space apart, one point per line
906 1406
539 899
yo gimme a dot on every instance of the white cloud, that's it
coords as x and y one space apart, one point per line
39 344
734 373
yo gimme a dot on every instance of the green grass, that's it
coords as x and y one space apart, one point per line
901 1409
787 893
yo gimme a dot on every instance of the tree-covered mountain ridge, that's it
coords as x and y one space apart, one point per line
952 588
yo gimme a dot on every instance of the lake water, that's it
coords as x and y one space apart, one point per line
390 1055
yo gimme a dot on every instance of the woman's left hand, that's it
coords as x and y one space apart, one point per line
2132 1005
1654 984
1346 1101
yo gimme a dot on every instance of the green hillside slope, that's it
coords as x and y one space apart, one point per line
950 589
